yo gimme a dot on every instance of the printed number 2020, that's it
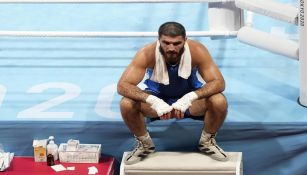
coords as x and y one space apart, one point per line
71 91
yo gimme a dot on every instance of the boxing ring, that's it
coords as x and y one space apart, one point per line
75 70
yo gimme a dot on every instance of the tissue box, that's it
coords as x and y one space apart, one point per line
40 151
72 145
85 153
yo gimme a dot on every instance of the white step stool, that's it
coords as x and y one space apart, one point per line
187 163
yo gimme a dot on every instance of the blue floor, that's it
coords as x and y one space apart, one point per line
67 86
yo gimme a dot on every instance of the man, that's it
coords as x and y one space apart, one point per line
173 90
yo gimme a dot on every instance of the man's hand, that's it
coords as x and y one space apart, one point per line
163 109
182 104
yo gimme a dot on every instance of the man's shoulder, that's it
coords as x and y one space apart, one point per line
146 55
148 50
199 52
197 49
193 44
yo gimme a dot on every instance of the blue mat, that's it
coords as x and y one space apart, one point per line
268 148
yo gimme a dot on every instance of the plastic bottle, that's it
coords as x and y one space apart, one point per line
52 148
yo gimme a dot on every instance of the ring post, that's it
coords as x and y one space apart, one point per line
303 52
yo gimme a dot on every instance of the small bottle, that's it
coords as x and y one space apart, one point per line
52 148
50 160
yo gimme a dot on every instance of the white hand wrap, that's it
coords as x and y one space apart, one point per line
185 102
158 105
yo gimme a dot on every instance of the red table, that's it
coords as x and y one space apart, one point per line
27 166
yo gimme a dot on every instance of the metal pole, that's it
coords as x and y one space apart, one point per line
110 1
303 53
108 34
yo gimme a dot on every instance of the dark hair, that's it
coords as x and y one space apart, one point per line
172 29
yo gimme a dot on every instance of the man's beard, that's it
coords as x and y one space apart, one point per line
174 56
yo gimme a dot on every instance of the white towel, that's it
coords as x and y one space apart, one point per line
160 74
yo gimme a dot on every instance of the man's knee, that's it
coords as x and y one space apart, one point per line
218 102
128 104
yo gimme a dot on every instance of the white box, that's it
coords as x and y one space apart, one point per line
40 150
85 153
183 163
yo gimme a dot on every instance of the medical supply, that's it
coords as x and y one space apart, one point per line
50 160
85 153
5 159
52 148
40 150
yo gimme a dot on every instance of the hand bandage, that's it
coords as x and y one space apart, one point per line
185 102
158 105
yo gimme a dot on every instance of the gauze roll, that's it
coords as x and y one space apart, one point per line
158 105
185 102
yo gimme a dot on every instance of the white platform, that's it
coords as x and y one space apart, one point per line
188 163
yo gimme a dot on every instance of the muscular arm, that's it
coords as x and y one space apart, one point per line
132 76
210 73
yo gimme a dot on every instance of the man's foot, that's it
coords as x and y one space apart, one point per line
143 148
209 147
